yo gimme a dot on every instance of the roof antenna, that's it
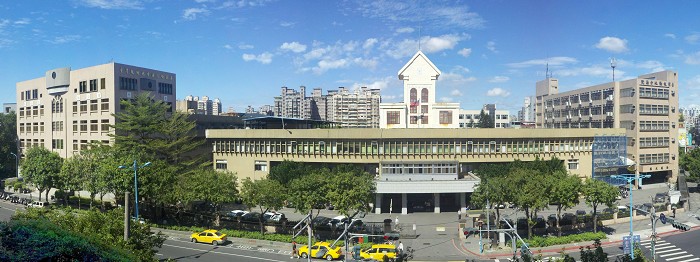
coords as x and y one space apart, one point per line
546 72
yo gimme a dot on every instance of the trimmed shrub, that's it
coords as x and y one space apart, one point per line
538 241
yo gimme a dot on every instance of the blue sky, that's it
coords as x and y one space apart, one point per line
243 51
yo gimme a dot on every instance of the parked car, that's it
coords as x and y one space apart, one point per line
273 217
580 212
321 222
209 236
378 251
660 198
251 217
38 204
233 215
321 250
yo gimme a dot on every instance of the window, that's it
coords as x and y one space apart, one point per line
103 83
75 107
83 86
105 104
83 106
445 117
424 95
93 85
57 106
221 164
93 105
393 118
414 101
573 164
93 126
165 88
260 165
424 119
83 125
126 83
424 109
57 143
105 125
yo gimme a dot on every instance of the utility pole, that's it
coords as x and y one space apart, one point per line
126 216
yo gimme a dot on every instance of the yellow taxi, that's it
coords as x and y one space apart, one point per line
209 236
321 250
378 251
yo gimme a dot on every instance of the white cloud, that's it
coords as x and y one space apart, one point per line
381 84
612 44
552 61
244 46
428 44
499 79
693 59
227 46
287 24
315 53
404 30
465 52
669 35
369 43
264 58
204 1
65 39
366 63
438 13
446 99
693 83
491 45
23 21
456 92
460 69
693 38
295 47
243 3
498 92
113 4
191 13
594 70
325 65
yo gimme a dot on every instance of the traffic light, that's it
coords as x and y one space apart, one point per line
391 236
470 231
680 226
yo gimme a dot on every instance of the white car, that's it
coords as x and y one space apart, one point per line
273 216
39 204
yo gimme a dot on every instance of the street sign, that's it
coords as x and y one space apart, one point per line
662 217
636 239
626 244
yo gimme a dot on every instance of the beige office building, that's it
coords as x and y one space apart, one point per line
67 109
645 107
412 166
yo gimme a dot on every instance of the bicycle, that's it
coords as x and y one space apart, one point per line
408 254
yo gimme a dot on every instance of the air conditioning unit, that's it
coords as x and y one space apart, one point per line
610 98
609 114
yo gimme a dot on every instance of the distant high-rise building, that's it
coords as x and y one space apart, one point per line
527 112
8 107
470 118
203 106
358 108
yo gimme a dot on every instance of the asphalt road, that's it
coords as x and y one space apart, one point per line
183 250
675 248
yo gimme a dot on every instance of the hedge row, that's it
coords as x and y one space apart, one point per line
538 241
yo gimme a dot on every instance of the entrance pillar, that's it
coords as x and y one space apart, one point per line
377 203
404 204
436 200
463 202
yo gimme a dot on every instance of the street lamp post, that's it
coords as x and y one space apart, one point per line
629 178
136 185
16 163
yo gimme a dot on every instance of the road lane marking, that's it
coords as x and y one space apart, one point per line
666 247
670 250
222 253
673 254
692 259
674 258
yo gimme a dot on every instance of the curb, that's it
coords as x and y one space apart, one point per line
553 250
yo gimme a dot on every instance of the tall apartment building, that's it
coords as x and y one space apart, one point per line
527 112
358 108
8 107
470 118
646 106
203 106
67 109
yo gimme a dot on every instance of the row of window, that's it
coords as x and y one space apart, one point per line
92 126
659 158
646 142
654 93
83 86
35 127
30 95
81 107
165 88
645 109
79 145
30 111
58 144
419 169
126 83
654 125
394 118
471 125
581 124
582 97
389 147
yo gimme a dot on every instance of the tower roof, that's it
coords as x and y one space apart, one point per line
418 55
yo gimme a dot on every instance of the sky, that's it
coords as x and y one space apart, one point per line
244 51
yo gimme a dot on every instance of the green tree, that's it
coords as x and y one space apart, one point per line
350 190
41 168
485 120
71 175
148 126
8 144
597 192
494 191
287 171
690 162
208 185
532 194
593 255
564 193
310 192
265 194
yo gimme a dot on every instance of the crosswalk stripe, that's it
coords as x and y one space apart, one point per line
666 247
664 244
673 254
496 260
670 250
692 259
674 258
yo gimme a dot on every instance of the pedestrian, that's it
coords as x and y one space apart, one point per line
294 249
400 247
396 222
459 214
